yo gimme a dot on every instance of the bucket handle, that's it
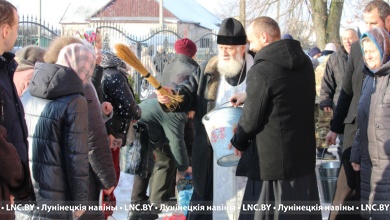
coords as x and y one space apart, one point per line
322 157
206 117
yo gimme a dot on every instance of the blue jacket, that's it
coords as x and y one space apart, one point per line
57 116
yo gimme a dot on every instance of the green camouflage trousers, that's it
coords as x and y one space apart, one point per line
322 120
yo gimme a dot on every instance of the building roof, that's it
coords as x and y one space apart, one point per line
78 11
187 11
191 11
131 10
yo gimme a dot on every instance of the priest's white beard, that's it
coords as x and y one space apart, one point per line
232 67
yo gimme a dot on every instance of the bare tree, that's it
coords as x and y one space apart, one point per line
309 21
291 15
326 21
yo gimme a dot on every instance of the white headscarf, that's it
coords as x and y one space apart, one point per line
78 57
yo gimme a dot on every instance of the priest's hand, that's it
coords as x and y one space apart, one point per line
238 99
164 99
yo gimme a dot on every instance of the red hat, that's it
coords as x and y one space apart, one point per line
185 46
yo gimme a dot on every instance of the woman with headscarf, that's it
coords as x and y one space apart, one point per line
371 149
57 119
101 171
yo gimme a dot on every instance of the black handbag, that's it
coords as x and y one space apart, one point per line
137 155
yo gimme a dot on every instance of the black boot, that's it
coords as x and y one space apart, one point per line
142 215
143 211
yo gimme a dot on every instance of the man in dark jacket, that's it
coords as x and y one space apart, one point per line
166 133
13 110
278 112
334 72
376 14
168 156
212 84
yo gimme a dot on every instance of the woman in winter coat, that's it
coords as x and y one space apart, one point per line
57 116
101 167
117 90
371 149
11 175
26 58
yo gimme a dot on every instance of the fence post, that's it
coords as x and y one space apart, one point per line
138 82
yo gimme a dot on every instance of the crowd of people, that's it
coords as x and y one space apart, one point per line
66 111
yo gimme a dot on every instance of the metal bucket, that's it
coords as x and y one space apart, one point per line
329 172
220 124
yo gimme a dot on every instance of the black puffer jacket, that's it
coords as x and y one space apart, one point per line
117 90
57 118
279 112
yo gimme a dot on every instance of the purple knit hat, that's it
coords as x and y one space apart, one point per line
380 37
313 51
287 36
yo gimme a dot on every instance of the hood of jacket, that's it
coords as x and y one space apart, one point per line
109 59
7 61
285 53
51 81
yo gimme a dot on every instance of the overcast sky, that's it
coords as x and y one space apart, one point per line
52 10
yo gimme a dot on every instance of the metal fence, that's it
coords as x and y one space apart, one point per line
32 31
146 47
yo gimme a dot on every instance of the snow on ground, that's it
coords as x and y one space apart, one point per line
123 197
123 193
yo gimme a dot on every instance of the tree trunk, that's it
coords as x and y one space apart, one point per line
333 24
326 26
320 17
325 21
242 12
